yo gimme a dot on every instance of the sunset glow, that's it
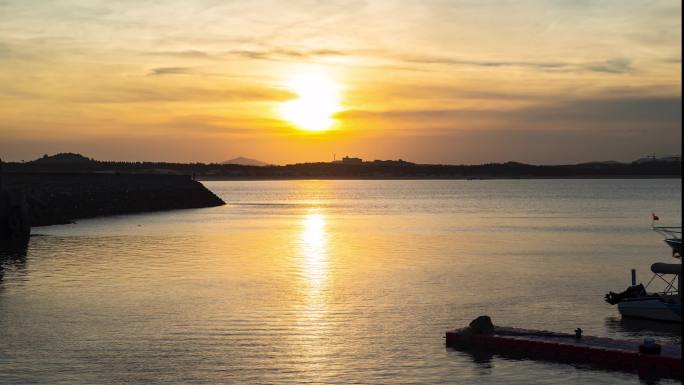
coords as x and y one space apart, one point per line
317 100
339 191
455 82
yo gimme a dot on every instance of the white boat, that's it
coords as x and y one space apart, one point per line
660 306
672 236
663 305
651 308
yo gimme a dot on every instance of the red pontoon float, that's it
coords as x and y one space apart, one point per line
656 360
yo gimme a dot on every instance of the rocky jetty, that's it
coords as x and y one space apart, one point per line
58 198
15 225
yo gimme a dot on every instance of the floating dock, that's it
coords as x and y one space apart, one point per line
606 353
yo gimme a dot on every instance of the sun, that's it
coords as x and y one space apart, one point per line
318 99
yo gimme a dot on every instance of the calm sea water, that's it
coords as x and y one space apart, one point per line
332 282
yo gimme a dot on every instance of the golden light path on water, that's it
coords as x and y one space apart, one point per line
313 242
313 258
331 282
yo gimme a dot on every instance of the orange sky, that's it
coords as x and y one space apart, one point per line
434 82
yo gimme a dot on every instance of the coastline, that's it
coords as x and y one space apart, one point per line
610 177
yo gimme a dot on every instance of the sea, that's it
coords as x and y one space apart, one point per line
334 282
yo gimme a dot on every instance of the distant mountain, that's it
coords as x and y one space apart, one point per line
245 162
65 157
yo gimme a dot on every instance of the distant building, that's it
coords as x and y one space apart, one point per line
646 159
348 160
652 158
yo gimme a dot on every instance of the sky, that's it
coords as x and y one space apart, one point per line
454 82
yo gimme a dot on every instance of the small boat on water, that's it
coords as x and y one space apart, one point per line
665 305
672 236
661 306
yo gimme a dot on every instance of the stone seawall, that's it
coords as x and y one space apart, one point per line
62 198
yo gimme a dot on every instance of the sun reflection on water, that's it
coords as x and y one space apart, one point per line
312 309
314 250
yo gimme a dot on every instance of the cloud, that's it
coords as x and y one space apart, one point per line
5 50
170 71
571 130
608 111
531 146
153 94
675 60
282 54
614 66
12 51
455 92
616 112
190 54
274 54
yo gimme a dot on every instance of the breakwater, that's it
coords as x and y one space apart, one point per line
59 198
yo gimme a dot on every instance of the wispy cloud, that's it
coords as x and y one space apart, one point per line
153 94
170 71
275 54
192 54
614 65
675 60
596 111
4 50
283 54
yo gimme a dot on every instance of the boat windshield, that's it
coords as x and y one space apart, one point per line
672 236
669 232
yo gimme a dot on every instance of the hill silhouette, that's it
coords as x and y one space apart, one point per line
245 162
377 169
61 158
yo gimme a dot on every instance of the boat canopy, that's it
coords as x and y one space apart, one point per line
666 268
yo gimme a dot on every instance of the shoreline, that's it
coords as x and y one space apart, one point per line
594 177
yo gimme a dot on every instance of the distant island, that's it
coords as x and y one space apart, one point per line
352 168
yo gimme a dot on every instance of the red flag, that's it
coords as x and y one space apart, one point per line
655 217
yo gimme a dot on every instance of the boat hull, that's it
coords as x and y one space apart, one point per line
675 244
651 308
